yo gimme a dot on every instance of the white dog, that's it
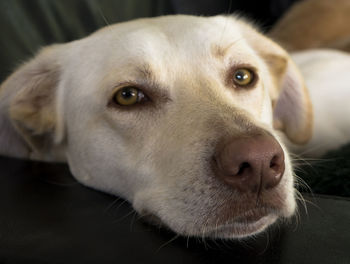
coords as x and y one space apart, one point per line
182 116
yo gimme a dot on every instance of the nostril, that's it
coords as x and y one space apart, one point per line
242 168
276 169
275 163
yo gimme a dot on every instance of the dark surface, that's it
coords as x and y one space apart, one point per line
47 217
329 175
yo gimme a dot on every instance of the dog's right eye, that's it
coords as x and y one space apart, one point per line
128 96
243 77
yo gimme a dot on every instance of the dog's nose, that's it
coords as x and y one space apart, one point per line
250 164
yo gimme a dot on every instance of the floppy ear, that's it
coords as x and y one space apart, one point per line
28 106
292 109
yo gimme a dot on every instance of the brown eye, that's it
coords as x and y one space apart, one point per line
243 77
128 96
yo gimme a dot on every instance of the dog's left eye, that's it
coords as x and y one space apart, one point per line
127 96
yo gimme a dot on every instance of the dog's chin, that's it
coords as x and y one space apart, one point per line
248 224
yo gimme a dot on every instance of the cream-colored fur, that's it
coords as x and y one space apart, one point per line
157 156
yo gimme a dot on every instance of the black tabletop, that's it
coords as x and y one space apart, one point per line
47 217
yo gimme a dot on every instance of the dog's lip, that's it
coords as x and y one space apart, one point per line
253 215
243 229
248 223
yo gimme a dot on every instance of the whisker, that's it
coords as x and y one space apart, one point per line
300 198
167 243
267 242
313 204
61 184
112 204
125 216
302 184
229 8
103 16
133 220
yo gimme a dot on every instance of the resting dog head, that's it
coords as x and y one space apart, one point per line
154 110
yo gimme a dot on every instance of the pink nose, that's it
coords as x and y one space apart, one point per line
250 164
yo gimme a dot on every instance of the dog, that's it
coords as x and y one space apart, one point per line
187 118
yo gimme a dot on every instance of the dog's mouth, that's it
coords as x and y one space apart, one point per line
253 215
248 223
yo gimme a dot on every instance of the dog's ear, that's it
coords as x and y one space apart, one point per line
28 103
292 108
292 105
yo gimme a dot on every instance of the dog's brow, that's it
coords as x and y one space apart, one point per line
220 51
144 71
148 80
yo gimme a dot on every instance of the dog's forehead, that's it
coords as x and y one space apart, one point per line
174 37
178 30
170 47
175 53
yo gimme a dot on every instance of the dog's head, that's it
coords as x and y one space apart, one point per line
176 114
